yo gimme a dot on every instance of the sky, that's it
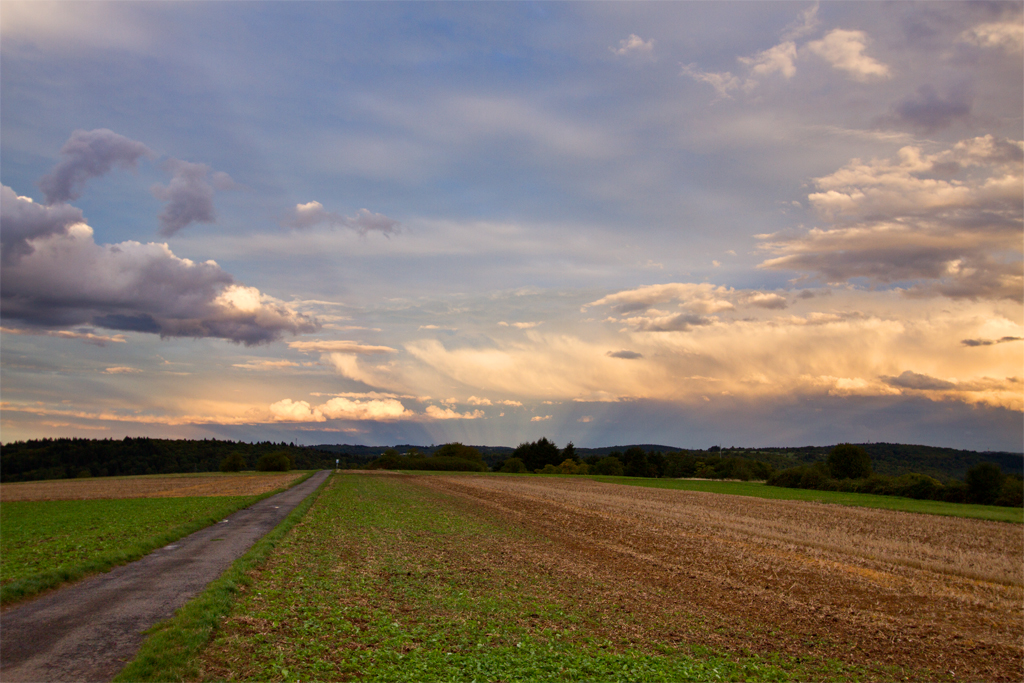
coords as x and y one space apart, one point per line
678 223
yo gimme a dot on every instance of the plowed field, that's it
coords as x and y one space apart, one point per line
146 487
864 586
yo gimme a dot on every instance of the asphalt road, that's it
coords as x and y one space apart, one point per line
89 630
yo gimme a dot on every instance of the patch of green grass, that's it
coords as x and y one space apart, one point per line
47 543
760 490
170 652
386 581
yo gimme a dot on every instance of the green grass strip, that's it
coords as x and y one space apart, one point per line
869 500
28 586
169 654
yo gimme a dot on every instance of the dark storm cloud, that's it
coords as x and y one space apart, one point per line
66 279
25 220
89 154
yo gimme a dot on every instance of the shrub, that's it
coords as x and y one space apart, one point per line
1012 493
232 462
788 478
569 466
847 461
278 461
814 477
513 466
548 469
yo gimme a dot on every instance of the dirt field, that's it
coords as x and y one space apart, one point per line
861 585
146 487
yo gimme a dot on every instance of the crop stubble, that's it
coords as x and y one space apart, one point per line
146 487
862 585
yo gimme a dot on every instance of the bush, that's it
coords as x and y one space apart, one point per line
1012 493
513 466
814 477
232 462
847 461
278 461
548 469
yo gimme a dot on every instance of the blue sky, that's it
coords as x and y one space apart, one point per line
680 223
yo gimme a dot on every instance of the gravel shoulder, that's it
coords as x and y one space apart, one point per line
89 630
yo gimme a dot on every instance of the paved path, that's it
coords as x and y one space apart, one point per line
89 630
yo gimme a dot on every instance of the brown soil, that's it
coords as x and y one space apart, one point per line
146 487
865 586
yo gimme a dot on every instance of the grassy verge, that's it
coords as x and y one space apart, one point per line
47 543
170 652
386 581
760 490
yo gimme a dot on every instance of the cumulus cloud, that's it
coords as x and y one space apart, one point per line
540 418
89 154
189 195
844 50
313 214
477 401
436 413
378 410
70 280
23 221
634 45
948 223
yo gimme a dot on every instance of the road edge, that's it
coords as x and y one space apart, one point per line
168 653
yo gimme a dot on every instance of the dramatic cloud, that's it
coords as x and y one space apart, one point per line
913 380
698 301
89 154
23 221
313 214
189 195
948 223
68 280
634 45
844 50
929 112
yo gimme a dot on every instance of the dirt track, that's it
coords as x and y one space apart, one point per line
861 585
87 631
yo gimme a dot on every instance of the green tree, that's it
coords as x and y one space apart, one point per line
457 450
984 482
609 465
232 462
847 461
277 461
513 466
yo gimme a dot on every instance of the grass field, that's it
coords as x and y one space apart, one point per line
48 542
385 580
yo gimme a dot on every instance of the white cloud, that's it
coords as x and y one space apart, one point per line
87 337
312 214
287 410
723 83
1008 35
632 45
339 408
338 346
778 59
540 418
436 413
844 50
